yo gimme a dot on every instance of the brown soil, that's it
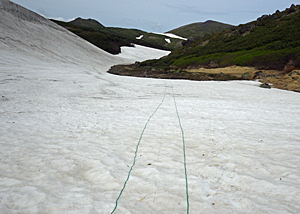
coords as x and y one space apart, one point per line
278 79
148 72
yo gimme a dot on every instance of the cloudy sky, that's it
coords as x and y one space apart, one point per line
156 15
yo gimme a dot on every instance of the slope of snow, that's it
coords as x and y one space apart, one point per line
44 39
68 133
141 53
171 35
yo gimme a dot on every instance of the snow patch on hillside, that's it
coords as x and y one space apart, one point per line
140 37
168 40
171 35
141 53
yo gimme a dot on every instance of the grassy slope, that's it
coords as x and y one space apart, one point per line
271 42
111 39
200 29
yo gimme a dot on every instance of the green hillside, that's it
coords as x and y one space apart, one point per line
270 42
200 29
111 39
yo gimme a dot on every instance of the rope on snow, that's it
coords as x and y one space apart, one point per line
137 146
136 150
184 158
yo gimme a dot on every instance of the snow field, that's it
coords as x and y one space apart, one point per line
141 53
68 133
68 137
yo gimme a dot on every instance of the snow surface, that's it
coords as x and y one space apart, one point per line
168 40
141 53
171 35
140 37
68 133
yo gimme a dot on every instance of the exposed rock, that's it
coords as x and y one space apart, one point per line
271 76
259 74
292 9
294 73
187 42
265 85
246 75
262 18
245 28
275 15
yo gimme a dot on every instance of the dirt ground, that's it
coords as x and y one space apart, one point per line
277 79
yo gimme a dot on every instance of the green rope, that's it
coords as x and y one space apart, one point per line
136 150
183 145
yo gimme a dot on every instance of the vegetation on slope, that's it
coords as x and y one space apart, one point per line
267 49
270 42
111 39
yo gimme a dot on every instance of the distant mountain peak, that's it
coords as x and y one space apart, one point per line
90 23
200 29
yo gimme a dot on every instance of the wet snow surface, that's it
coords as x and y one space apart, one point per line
68 134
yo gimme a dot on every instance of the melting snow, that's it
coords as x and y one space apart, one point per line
171 35
140 37
168 40
141 53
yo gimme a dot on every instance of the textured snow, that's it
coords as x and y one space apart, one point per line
141 53
68 133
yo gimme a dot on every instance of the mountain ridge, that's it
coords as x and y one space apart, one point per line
200 29
111 39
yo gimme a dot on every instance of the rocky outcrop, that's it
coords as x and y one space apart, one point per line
265 85
262 18
277 14
246 76
246 28
187 42
259 74
292 9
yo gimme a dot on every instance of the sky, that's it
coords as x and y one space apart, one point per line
156 15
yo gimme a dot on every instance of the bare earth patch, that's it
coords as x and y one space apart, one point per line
277 79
